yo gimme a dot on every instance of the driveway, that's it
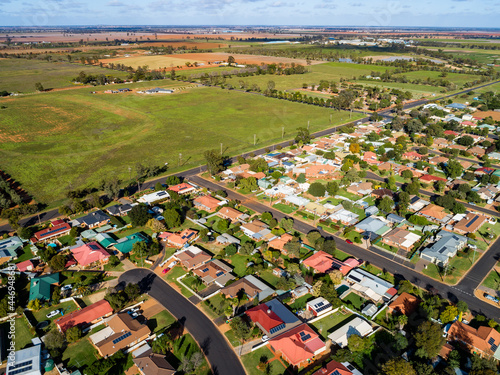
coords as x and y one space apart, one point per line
220 354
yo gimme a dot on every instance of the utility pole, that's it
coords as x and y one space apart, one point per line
330 118
307 124
129 173
282 132
221 148
138 186
180 158
254 139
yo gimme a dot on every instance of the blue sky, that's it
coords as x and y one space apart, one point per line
445 13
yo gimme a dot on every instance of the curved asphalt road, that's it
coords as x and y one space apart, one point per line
220 355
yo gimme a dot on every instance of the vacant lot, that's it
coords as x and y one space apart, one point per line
20 75
73 138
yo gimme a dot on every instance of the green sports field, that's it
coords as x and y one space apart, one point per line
20 75
57 141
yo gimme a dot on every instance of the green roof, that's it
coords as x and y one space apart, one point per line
40 287
126 244
105 239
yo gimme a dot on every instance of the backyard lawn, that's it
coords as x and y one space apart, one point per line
355 300
25 254
326 325
79 354
251 361
23 334
300 303
493 280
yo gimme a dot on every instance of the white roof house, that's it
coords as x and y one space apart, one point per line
345 216
298 201
445 248
154 197
370 286
25 362
319 306
357 326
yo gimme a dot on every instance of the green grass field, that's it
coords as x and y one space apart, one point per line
251 361
493 280
52 141
20 75
326 325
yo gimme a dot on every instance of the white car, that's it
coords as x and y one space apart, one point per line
173 264
53 313
67 287
265 338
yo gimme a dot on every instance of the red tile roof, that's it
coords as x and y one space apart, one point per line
323 262
52 231
430 178
84 316
331 367
24 266
267 318
181 188
90 253
207 201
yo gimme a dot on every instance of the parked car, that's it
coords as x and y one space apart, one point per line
53 313
348 241
165 270
67 287
171 265
265 338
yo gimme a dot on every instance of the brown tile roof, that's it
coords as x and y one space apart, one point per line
434 211
151 363
483 339
193 257
405 304
230 213
470 223
241 284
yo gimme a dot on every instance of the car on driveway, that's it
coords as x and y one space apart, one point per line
165 270
53 313
66 287
348 241
265 338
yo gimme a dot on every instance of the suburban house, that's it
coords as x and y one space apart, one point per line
370 157
356 326
25 266
370 286
470 223
319 306
488 192
322 262
298 346
477 151
320 170
430 178
105 240
405 304
272 317
232 172
51 233
192 257
92 220
381 193
182 188
90 254
232 214
346 217
85 317
25 361
153 197
150 363
180 239
126 244
484 341
435 213
251 286
336 368
122 331
119 209
214 271
279 243
362 188
417 203
40 287
437 160
257 230
372 225
445 248
413 156
401 239
207 203
226 239
9 248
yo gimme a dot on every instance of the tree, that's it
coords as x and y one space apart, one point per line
116 300
34 305
215 161
332 187
466 140
113 261
316 291
54 339
230 250
155 225
246 248
453 169
73 334
39 86
58 262
173 180
293 247
336 276
139 215
302 135
240 328
132 291
402 321
429 339
56 295
407 174
231 60
317 189
385 204
462 306
286 224
449 314
358 344
355 148
398 366
158 186
413 188
348 205
313 236
172 218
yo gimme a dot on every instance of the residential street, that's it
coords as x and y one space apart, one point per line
219 353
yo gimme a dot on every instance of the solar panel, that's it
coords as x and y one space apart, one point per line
306 337
302 334
320 304
323 307
355 279
491 341
22 364
122 337
494 348
204 270
220 273
472 221
21 370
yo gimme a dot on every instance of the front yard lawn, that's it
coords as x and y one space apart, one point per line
232 338
493 280
457 268
160 321
284 208
251 361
